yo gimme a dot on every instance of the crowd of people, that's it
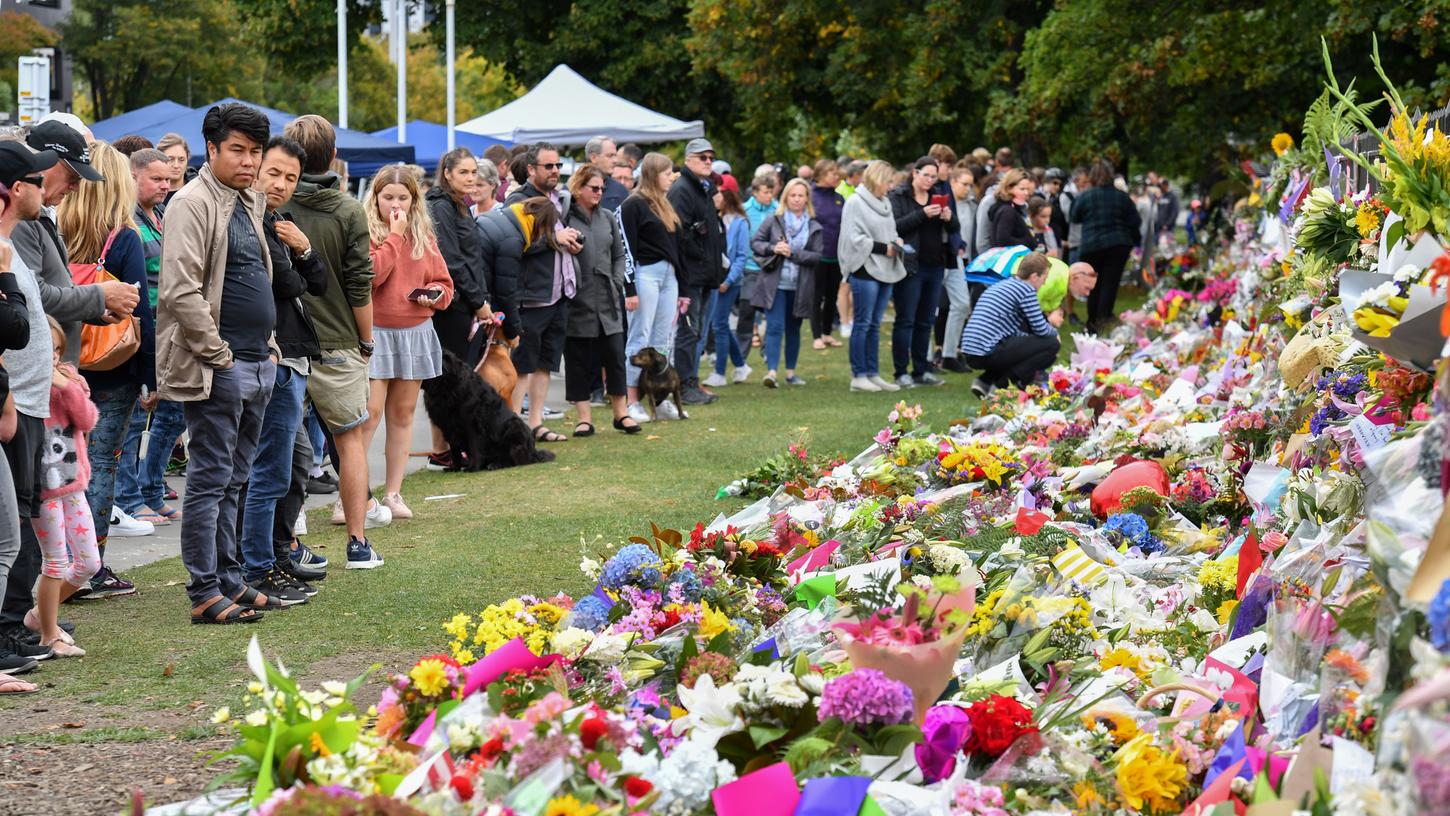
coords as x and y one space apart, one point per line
252 321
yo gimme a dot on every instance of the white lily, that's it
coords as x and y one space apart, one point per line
711 712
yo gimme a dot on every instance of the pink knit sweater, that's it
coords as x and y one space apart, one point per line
64 466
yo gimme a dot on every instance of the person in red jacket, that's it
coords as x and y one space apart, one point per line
410 283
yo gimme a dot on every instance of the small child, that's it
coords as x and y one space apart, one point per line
67 535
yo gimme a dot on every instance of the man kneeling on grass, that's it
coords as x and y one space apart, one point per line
1008 337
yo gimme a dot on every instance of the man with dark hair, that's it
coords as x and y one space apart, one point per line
343 319
702 245
131 143
600 152
215 352
278 481
633 154
541 344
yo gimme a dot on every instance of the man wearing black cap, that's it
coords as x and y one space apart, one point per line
702 247
28 367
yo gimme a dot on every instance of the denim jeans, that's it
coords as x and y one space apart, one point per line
707 322
955 285
745 321
916 297
653 321
103 444
141 481
691 329
727 345
271 472
868 300
224 431
780 320
318 437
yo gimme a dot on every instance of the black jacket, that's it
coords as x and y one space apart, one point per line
293 277
1009 226
702 240
930 236
501 240
536 273
14 323
461 248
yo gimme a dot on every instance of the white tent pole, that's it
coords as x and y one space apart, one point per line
452 111
342 63
401 35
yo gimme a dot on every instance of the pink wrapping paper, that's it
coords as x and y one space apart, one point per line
770 791
506 658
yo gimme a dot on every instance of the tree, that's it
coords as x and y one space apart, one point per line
301 35
19 35
134 52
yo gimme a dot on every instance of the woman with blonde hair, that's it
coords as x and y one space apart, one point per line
410 284
100 235
787 247
871 259
651 231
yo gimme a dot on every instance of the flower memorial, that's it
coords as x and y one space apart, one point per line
1202 567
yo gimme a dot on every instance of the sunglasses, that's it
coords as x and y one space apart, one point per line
550 166
596 188
709 157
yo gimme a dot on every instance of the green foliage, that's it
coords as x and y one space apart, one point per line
19 35
302 34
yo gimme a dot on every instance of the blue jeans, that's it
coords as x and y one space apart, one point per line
780 320
868 299
916 298
317 437
271 472
707 322
654 321
724 303
103 445
141 481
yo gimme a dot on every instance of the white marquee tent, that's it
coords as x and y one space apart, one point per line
567 109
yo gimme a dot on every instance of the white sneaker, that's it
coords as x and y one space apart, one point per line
864 384
378 515
300 528
123 526
338 516
715 381
883 385
637 412
668 410
845 331
742 373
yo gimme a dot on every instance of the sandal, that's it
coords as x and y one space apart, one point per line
632 428
155 519
169 512
819 344
252 599
587 429
221 610
543 434
14 686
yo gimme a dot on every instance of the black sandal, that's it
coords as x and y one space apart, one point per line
588 425
250 599
629 429
543 434
223 611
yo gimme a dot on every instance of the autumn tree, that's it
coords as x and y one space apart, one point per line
19 35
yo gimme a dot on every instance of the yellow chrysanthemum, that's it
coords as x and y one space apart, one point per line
1282 143
1148 778
1225 609
457 627
429 677
569 806
318 746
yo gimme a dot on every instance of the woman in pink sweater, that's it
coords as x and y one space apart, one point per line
410 283
66 532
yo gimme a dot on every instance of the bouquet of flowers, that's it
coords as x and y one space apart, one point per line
975 461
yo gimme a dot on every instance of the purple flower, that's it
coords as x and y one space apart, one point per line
1439 616
866 697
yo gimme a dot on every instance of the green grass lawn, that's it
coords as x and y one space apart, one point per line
513 531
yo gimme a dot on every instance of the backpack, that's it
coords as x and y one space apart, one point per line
109 346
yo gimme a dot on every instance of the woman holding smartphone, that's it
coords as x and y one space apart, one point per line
925 221
410 283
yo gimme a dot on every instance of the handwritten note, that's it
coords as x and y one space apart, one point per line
1369 435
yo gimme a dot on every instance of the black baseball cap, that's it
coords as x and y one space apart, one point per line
18 161
69 146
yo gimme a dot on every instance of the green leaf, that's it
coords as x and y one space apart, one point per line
806 751
894 739
1395 232
263 788
387 783
762 735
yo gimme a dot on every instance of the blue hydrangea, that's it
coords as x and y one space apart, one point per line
1439 616
591 613
634 565
689 583
1129 525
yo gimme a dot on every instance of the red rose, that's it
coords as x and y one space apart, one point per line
590 731
637 787
490 750
462 785
997 722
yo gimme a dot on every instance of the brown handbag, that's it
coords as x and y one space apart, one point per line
106 347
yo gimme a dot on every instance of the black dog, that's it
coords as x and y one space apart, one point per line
658 380
482 430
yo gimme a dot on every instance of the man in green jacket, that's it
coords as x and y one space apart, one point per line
337 226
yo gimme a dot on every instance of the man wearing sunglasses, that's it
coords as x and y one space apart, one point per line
702 250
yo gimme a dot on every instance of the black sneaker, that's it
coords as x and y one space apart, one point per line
285 573
302 556
11 643
108 584
441 461
320 486
81 594
955 365
276 585
301 572
982 389
693 395
15 664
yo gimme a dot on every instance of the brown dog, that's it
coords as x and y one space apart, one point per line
658 380
496 367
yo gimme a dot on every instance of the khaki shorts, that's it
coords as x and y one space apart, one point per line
338 389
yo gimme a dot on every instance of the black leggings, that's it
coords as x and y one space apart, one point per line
1016 359
823 311
1109 263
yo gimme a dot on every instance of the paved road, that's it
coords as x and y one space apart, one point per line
126 553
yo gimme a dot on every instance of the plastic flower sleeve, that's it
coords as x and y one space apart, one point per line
1299 629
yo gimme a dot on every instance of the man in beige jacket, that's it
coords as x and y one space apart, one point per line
215 352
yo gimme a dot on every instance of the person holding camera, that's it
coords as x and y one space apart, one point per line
925 220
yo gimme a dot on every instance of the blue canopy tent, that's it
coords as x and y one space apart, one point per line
365 154
430 141
143 117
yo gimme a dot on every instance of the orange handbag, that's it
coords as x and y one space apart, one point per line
108 346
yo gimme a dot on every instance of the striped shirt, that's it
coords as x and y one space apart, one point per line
1006 309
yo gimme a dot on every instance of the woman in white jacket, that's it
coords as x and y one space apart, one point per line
870 256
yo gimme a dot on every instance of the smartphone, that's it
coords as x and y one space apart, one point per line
425 293
942 201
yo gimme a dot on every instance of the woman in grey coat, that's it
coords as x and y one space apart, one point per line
787 247
594 333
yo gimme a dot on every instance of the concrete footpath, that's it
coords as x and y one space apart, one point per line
126 553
